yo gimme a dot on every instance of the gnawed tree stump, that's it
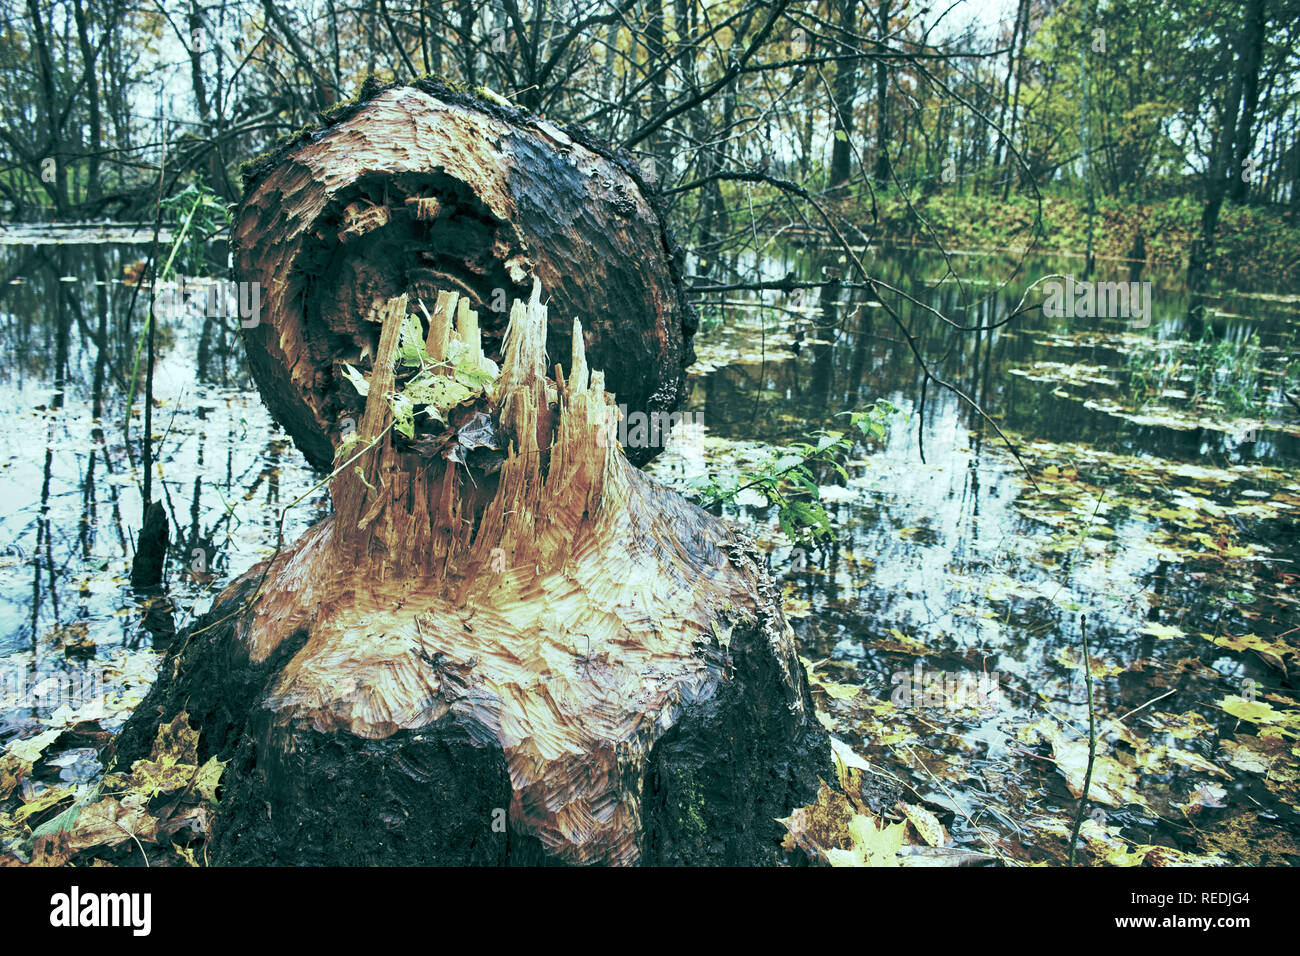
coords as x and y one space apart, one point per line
507 644
414 189
527 652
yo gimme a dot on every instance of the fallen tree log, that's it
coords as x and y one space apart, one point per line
413 189
541 655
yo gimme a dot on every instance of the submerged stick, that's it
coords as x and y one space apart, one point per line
1092 738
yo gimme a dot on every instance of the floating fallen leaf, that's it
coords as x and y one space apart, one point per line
926 823
1209 795
47 800
110 821
1255 711
874 843
845 755
1186 726
1168 856
943 856
30 750
1112 783
820 826
900 643
1162 631
1247 754
1158 755
1275 652
52 850
207 779
1073 658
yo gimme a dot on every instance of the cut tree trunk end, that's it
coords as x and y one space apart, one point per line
421 188
507 644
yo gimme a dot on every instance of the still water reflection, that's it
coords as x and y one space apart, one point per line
951 565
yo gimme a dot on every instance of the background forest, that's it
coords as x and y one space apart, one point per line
934 121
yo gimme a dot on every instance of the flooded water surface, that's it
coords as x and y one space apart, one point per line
1153 511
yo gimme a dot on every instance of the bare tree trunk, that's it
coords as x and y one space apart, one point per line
882 170
1251 58
1022 25
49 112
658 68
845 92
88 57
1227 146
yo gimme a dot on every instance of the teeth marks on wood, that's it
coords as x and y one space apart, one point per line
425 208
359 219
587 635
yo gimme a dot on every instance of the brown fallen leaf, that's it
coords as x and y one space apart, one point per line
12 771
822 825
109 822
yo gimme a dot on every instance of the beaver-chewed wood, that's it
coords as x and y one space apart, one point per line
551 659
418 188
